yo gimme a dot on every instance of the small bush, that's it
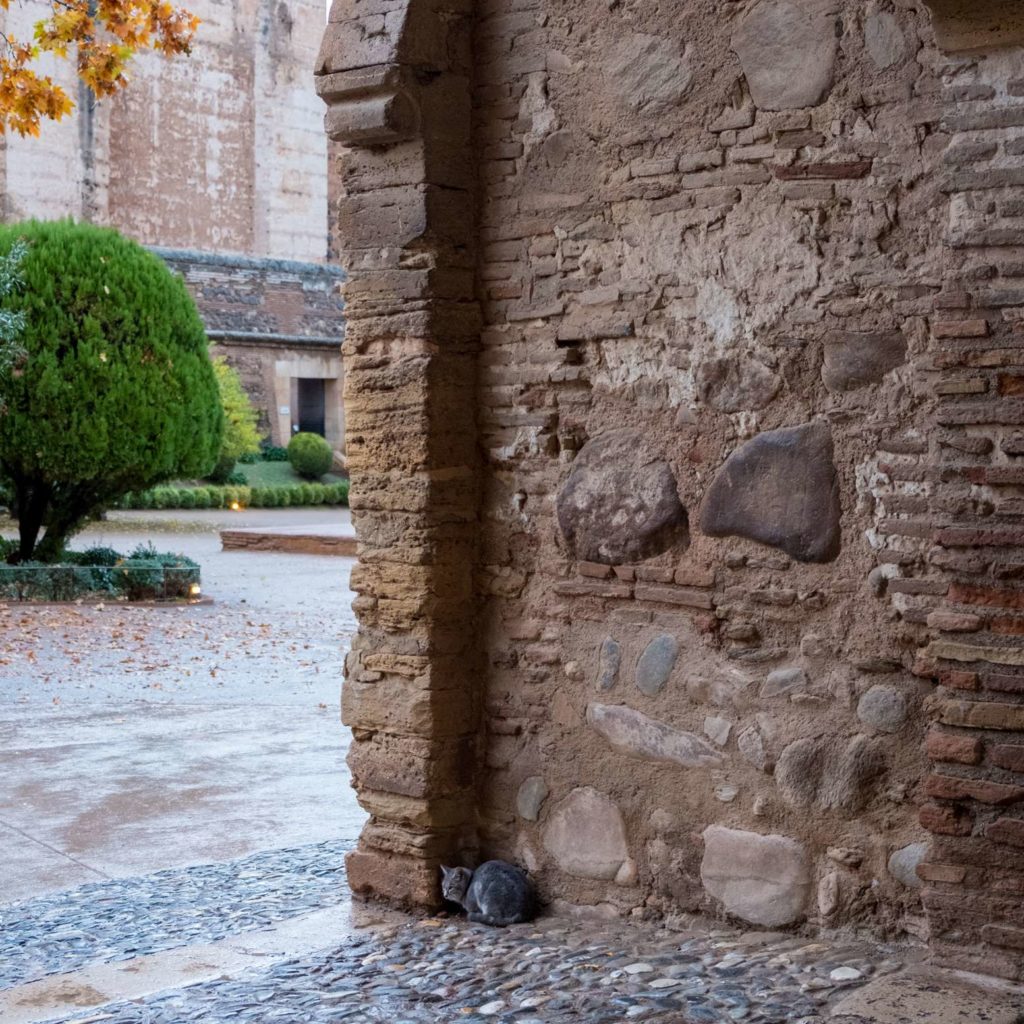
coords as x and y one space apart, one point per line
201 497
317 494
272 453
222 470
250 458
310 455
284 496
104 556
140 579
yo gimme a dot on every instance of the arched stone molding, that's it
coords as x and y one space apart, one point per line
395 77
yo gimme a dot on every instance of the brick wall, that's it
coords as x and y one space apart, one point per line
747 407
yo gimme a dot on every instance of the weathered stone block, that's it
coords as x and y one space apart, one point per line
608 662
636 734
855 360
586 835
781 489
620 503
833 774
788 52
530 798
764 880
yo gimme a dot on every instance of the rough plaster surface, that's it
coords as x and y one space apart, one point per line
818 242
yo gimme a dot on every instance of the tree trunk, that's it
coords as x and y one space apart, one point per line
30 507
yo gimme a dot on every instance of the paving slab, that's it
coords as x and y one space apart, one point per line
923 996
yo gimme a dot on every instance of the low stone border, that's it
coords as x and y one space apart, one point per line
340 544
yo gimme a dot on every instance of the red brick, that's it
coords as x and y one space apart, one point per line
1007 625
983 715
1009 756
594 569
953 622
1004 683
1011 384
960 329
695 576
954 747
961 537
824 171
674 595
950 787
1003 935
1007 830
959 680
946 821
953 874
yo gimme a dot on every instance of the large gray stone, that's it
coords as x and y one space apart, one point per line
830 773
620 503
656 664
636 734
608 661
586 836
884 38
648 71
788 52
764 880
735 383
883 708
780 489
857 359
903 864
530 798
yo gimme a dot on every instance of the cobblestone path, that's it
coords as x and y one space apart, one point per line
419 970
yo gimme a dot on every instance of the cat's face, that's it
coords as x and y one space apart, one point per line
455 883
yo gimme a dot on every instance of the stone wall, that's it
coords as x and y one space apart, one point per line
221 151
748 565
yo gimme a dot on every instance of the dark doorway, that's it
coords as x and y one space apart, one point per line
312 405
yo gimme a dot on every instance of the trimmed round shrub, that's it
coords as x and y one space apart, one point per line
186 497
116 355
201 497
317 494
310 455
284 496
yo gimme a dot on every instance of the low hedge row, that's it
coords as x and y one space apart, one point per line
245 497
144 575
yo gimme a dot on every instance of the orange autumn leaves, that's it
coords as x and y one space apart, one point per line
104 35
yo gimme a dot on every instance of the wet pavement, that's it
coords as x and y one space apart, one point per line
173 822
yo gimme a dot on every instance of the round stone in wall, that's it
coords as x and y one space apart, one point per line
656 664
781 489
586 835
788 52
531 796
620 503
765 880
882 708
903 864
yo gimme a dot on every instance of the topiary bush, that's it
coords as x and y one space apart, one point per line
115 391
310 455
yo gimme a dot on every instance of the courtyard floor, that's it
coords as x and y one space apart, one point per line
174 816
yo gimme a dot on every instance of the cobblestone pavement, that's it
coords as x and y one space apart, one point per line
418 970
557 970
132 917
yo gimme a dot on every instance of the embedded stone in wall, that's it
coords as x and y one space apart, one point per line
620 504
751 747
656 664
903 864
608 661
764 880
828 773
736 383
788 52
648 71
856 359
883 38
586 836
882 708
785 681
780 489
636 734
530 798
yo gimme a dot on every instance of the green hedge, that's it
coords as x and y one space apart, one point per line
144 575
246 497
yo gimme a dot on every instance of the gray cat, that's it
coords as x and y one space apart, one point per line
497 893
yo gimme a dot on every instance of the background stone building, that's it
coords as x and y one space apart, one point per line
684 385
219 161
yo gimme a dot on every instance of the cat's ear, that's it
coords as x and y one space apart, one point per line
447 872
